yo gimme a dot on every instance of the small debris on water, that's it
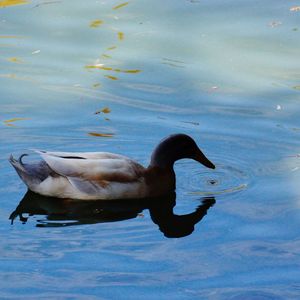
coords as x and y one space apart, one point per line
212 181
275 24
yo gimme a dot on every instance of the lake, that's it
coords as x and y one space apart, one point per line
118 77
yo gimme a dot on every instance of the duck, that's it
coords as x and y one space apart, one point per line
108 176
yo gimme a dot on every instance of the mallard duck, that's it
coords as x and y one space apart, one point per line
103 175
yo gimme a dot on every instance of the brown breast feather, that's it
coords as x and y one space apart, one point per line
105 179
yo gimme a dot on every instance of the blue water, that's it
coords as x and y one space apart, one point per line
224 72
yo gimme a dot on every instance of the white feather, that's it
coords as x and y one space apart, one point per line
89 168
82 178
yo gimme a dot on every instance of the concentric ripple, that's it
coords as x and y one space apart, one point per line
225 179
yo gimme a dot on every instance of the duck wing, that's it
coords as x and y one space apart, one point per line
81 155
93 172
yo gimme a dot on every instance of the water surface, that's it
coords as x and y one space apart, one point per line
79 76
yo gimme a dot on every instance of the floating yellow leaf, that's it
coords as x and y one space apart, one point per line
105 56
96 23
111 48
127 71
120 36
99 66
131 71
111 77
15 60
102 67
93 66
100 134
106 110
297 87
10 122
105 68
120 5
295 8
4 3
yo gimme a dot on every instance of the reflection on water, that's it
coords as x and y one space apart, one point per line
68 212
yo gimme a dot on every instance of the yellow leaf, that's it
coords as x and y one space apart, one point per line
96 23
15 60
120 36
105 110
10 121
127 71
120 5
295 8
99 66
111 77
131 71
91 67
105 56
296 87
4 3
100 134
111 48
105 68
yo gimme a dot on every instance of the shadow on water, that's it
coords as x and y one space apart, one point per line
69 212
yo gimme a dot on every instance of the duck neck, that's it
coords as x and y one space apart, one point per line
162 157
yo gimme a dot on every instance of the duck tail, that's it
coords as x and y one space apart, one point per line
18 164
22 170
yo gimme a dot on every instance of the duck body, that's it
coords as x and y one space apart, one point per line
104 175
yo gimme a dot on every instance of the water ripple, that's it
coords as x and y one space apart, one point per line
227 178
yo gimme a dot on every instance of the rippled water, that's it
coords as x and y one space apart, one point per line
119 76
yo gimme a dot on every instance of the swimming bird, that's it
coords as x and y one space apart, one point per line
103 175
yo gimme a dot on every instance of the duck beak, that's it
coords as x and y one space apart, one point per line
201 158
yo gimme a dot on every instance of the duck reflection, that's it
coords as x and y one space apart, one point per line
69 212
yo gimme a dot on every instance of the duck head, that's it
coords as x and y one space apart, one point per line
175 147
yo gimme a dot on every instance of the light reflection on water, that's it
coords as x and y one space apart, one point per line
224 72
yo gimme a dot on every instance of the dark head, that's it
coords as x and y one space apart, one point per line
175 147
